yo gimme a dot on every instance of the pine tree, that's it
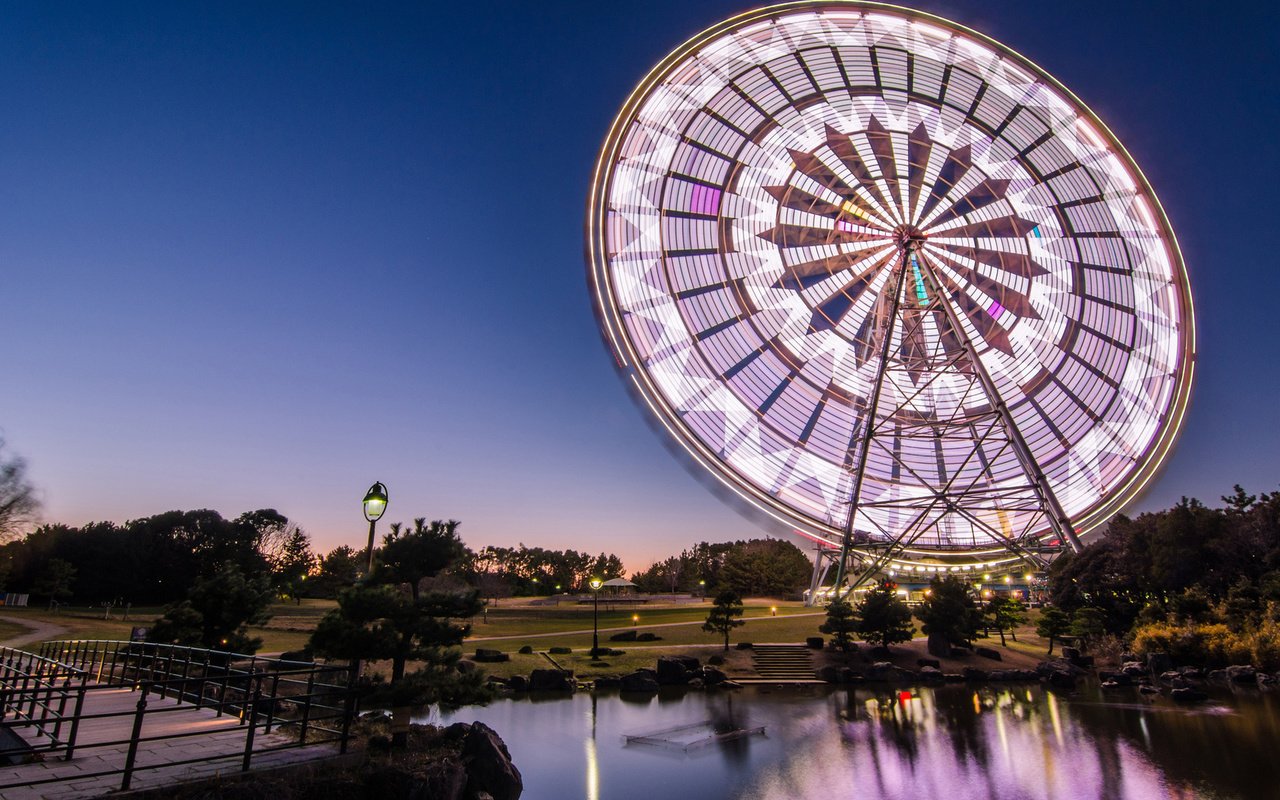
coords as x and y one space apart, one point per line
841 623
1054 623
721 619
1005 613
883 619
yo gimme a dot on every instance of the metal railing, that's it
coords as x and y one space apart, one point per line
311 703
34 694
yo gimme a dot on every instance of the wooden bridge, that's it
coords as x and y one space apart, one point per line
80 719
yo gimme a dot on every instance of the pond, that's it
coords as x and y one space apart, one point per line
1003 742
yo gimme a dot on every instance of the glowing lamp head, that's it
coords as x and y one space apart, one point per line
596 583
375 502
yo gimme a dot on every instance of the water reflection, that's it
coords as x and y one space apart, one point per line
952 742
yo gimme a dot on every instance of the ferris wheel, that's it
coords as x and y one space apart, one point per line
893 284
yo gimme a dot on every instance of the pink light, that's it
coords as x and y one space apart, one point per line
996 309
705 200
844 225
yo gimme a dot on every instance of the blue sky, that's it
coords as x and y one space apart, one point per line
265 254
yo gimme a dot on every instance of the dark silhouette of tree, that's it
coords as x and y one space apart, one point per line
337 570
883 619
1088 624
1005 614
1054 623
55 581
841 623
724 613
18 503
765 568
948 610
217 613
390 617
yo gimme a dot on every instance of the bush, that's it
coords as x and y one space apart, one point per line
560 651
1208 645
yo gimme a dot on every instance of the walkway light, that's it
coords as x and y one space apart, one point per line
375 503
596 583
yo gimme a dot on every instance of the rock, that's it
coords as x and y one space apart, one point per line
974 674
959 651
550 680
848 675
648 637
1158 663
1219 675
1061 679
1110 685
814 642
518 683
1085 662
464 666
1071 653
489 767
884 671
625 636
1147 688
938 646
676 670
1134 669
1266 679
716 660
614 653
929 662
1242 673
713 677
743 645
1126 658
490 656
303 656
987 652
931 674
1192 673
608 682
1169 676
1188 695
527 650
642 680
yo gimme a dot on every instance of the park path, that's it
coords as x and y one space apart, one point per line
37 631
627 628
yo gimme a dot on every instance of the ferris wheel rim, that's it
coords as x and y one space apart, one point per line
610 315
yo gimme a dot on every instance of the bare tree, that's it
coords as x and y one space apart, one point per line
18 502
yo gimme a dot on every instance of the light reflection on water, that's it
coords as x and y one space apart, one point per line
953 742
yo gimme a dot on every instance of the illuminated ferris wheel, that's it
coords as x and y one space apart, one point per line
893 284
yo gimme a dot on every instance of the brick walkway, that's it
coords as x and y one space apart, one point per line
209 736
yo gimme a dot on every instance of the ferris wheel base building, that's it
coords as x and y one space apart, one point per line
894 285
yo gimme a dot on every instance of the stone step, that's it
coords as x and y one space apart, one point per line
783 662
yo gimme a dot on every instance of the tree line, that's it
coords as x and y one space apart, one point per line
752 568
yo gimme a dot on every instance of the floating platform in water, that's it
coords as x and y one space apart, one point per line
691 736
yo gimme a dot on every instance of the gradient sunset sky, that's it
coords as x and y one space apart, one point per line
261 255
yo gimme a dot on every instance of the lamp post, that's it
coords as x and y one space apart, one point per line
702 589
596 583
375 502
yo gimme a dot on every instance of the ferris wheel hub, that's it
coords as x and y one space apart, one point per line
908 238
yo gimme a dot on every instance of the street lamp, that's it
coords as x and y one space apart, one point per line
596 583
702 589
375 502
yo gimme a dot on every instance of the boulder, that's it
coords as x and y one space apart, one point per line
676 670
527 650
1147 688
303 656
489 767
518 683
1266 679
550 680
743 645
987 652
1242 673
608 682
647 636
931 674
974 674
464 666
814 642
1169 676
713 677
559 651
1219 675
490 656
642 680
929 662
715 660
1134 669
1192 673
885 671
1071 653
625 636
938 646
